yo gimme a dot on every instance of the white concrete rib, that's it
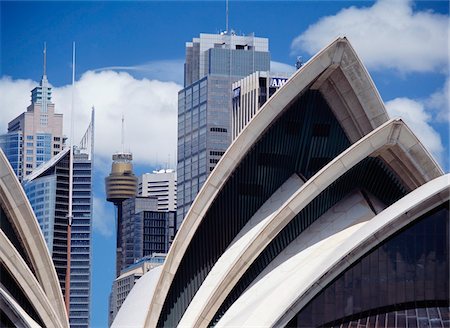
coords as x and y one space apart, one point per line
30 286
298 283
14 311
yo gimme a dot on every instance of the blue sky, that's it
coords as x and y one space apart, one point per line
130 61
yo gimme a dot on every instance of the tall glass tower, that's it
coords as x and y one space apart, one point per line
47 188
36 135
213 63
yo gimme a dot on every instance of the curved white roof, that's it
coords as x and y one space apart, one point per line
329 246
131 313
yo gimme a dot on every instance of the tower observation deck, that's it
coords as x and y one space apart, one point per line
121 184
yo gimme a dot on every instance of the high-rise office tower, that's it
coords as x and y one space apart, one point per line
36 135
213 63
47 189
144 230
161 184
120 185
249 94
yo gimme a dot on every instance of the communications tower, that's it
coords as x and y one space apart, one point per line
121 184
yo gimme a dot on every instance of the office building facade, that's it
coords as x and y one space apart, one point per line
47 189
249 94
322 203
213 63
144 229
161 184
36 135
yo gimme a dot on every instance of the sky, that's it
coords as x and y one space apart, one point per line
130 56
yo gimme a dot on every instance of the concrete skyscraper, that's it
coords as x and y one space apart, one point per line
36 135
213 63
47 189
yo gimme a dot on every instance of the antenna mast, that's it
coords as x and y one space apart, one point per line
45 58
70 215
226 17
123 134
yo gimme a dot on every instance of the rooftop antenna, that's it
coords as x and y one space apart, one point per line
123 134
299 62
45 58
226 17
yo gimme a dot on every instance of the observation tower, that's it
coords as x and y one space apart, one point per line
121 184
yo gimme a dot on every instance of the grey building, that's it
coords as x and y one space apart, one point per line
213 63
144 229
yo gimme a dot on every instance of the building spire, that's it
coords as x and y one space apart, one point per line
123 134
45 60
226 18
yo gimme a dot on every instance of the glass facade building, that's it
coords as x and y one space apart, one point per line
11 144
48 192
145 230
213 63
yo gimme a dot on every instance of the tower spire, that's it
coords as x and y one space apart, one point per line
45 60
226 17
123 133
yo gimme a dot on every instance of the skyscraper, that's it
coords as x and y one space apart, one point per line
47 189
36 135
213 63
161 184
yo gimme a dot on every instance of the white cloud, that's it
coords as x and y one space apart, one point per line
415 116
162 70
15 98
389 34
439 102
278 67
104 217
149 108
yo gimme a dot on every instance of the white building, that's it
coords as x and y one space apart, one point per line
161 184
250 93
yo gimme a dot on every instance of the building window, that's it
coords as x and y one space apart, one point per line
218 130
